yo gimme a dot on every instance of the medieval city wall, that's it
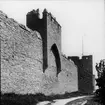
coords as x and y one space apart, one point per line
21 58
22 64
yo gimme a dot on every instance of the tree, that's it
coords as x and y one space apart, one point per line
100 92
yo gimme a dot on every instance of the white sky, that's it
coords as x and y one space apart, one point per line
78 18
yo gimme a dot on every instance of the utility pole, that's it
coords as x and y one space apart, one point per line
83 44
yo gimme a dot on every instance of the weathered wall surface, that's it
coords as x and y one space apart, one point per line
69 76
53 38
53 32
21 58
21 63
66 81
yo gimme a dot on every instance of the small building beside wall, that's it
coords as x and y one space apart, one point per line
86 79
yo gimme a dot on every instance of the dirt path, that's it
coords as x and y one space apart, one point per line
64 101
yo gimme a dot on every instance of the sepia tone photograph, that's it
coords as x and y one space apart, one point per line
52 52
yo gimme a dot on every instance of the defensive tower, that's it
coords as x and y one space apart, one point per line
50 32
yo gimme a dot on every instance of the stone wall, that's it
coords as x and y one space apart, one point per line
69 75
21 57
53 39
22 63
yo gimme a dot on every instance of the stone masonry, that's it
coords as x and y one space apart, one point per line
31 57
86 79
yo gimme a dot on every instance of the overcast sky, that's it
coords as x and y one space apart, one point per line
80 19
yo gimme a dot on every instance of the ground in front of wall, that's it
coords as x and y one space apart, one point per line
13 99
91 100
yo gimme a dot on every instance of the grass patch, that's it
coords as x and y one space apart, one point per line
30 99
93 101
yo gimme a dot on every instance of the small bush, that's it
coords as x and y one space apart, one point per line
100 93
16 99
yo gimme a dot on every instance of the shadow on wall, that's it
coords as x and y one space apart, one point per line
57 58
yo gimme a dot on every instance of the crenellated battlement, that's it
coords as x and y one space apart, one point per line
53 19
34 12
45 14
